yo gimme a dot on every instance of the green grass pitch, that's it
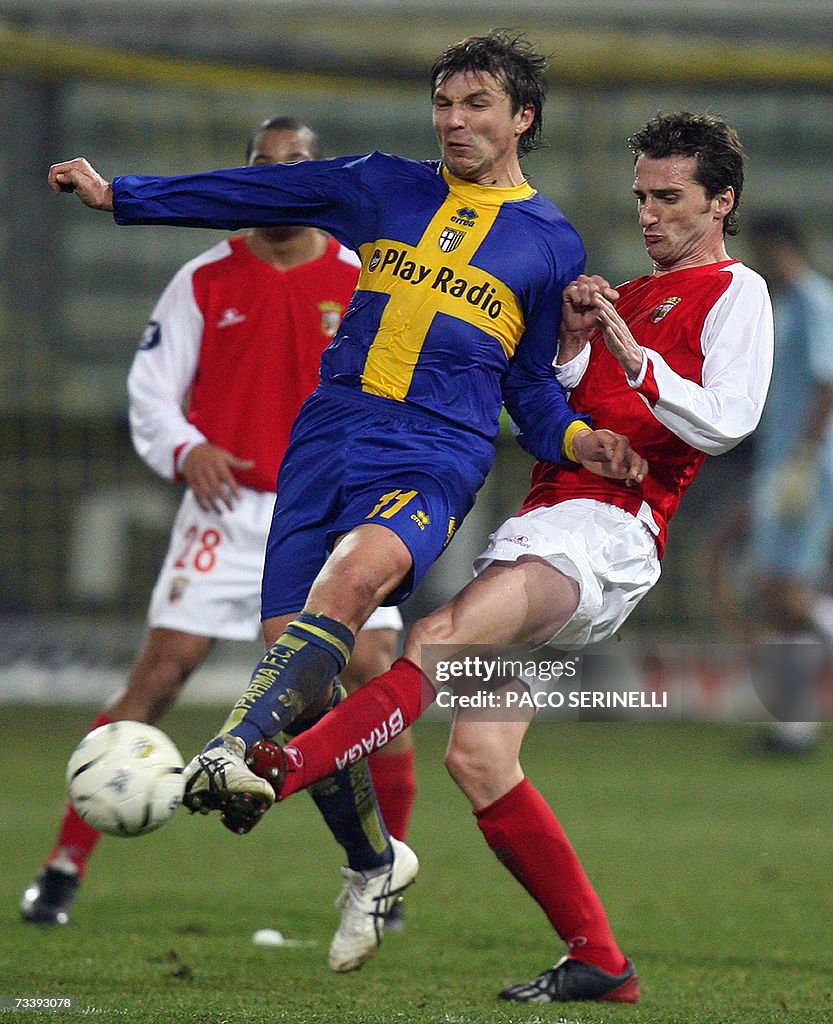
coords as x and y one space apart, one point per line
715 864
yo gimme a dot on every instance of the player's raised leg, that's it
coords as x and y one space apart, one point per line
305 654
508 605
526 601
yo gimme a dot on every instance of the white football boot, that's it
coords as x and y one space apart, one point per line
364 903
219 779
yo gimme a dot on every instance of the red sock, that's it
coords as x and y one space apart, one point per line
394 780
526 837
76 839
360 724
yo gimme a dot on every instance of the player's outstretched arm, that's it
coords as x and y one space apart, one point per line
83 179
609 454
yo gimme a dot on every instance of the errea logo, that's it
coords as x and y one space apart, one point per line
450 238
465 216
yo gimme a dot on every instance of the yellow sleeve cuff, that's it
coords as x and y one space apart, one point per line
569 437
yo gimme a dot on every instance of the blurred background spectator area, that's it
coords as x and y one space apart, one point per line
153 87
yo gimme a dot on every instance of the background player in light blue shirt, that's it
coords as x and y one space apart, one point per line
792 489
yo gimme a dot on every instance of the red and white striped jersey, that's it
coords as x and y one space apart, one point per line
707 333
232 349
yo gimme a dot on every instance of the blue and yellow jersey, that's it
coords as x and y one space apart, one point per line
458 304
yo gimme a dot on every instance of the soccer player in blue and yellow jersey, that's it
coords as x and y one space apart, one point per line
456 312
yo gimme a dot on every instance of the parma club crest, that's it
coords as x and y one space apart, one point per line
664 308
450 238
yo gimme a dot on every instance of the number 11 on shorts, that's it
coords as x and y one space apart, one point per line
391 503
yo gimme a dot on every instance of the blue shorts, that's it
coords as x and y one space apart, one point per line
355 458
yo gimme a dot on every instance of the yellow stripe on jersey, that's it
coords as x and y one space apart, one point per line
434 276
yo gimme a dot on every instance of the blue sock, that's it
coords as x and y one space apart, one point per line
293 673
347 802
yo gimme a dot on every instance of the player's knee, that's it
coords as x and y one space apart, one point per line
484 772
466 766
367 564
435 629
475 762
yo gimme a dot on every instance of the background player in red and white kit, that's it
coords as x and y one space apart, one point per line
232 349
681 364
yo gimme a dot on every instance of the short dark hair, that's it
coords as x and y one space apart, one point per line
281 123
510 60
706 136
777 227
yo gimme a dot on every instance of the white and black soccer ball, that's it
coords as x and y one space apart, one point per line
125 778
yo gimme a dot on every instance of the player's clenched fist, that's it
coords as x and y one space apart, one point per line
579 300
579 313
83 179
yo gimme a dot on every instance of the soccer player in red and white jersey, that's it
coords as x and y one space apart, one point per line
681 363
232 350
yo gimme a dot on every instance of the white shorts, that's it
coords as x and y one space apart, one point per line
209 584
610 553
